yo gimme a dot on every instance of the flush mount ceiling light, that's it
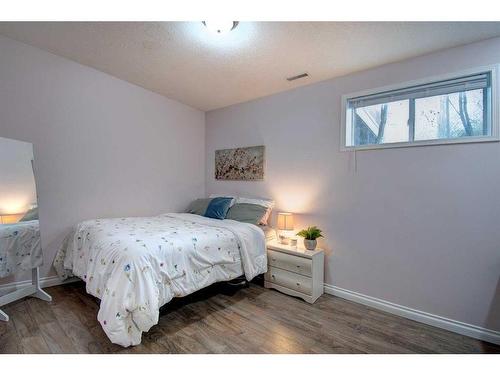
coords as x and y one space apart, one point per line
220 27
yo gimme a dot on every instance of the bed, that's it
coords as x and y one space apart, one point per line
136 265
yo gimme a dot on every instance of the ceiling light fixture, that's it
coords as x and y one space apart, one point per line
220 27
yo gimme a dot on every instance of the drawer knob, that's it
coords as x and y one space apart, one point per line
298 284
272 276
274 260
298 266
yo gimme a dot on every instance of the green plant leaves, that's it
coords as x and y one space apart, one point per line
311 233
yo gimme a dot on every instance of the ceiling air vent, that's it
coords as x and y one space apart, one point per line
299 76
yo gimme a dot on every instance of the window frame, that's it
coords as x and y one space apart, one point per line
492 111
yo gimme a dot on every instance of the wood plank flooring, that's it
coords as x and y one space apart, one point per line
221 319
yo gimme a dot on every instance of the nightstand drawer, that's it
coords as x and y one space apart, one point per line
289 280
290 262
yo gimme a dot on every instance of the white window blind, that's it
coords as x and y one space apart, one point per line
474 82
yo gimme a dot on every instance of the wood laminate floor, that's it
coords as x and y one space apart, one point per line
220 320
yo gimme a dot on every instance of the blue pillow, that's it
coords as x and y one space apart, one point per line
218 207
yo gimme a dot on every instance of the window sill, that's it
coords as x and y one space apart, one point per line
437 142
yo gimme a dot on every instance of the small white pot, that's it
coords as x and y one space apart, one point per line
310 244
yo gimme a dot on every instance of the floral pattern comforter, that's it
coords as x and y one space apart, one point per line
20 247
136 265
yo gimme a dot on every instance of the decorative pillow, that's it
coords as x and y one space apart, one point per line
198 207
233 198
30 215
218 207
247 213
268 203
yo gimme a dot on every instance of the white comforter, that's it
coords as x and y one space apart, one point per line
19 247
136 265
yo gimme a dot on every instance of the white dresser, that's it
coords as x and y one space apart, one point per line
295 271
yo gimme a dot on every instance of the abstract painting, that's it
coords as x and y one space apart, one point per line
244 164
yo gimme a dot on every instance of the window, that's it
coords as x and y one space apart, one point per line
452 110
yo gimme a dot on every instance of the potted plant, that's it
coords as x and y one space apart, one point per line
310 235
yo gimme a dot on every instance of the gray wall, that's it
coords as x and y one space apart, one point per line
414 226
103 147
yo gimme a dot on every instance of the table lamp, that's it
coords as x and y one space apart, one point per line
285 226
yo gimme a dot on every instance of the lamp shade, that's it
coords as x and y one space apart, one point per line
285 221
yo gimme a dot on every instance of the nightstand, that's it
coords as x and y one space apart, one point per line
295 271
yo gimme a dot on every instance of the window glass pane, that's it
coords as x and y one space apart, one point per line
381 123
450 116
454 108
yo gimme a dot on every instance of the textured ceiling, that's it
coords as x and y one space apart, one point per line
184 61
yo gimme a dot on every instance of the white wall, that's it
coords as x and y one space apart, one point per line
414 226
102 147
17 183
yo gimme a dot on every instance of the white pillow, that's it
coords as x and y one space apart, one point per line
268 203
233 200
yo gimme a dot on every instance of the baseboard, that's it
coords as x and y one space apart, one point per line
419 316
45 282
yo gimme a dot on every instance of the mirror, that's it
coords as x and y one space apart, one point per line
20 247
